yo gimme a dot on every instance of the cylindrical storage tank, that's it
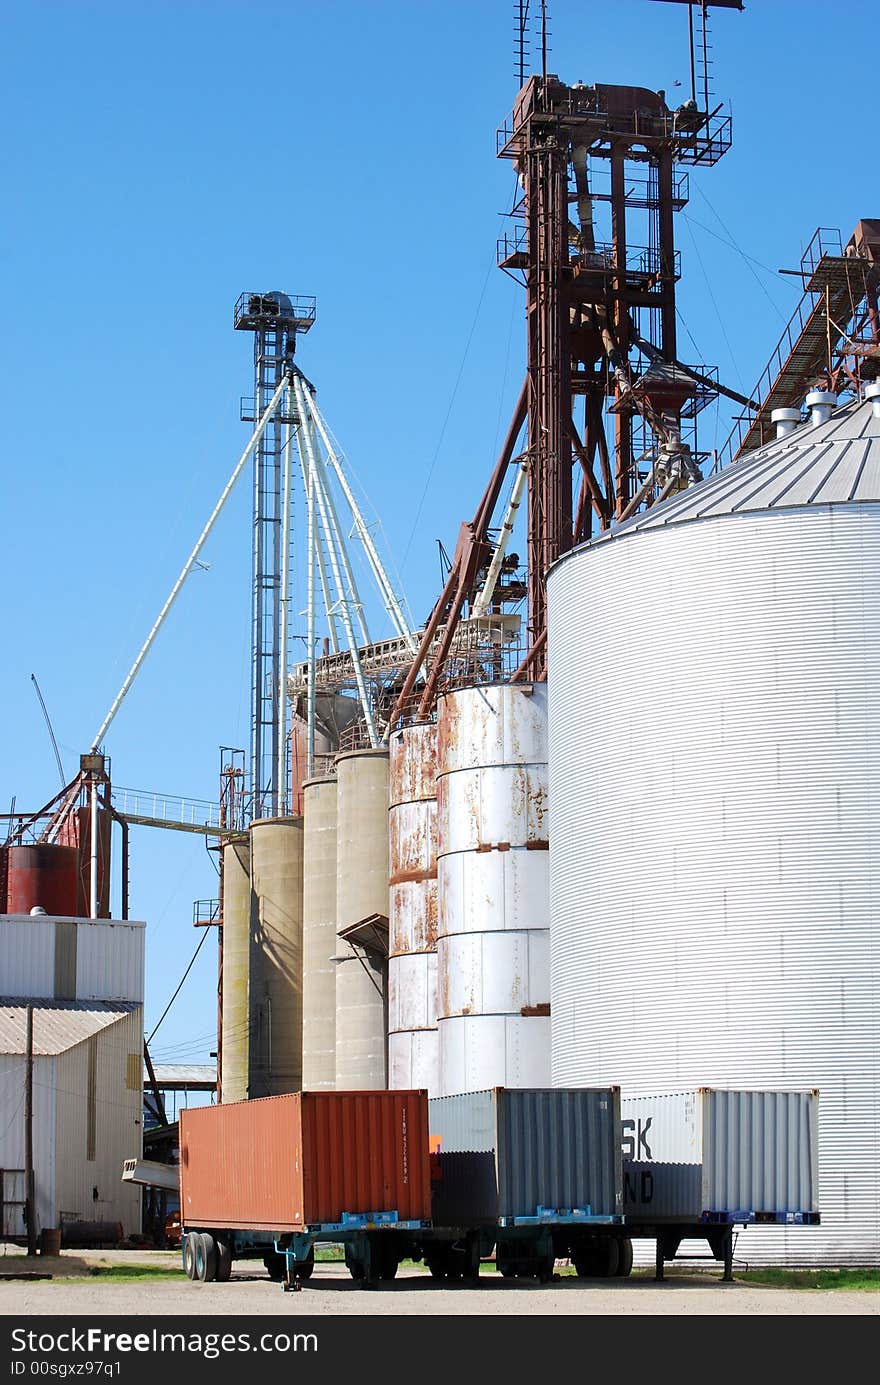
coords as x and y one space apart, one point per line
493 965
42 876
362 895
714 761
319 935
413 1043
276 956
235 1032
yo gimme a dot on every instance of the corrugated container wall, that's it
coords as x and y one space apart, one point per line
720 1152
413 1041
714 907
507 1153
72 959
275 992
362 895
289 1162
493 945
235 1041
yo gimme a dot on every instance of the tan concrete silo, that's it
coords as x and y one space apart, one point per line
276 956
362 883
319 935
235 1033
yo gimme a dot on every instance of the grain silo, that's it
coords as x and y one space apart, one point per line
493 940
319 934
362 920
714 756
235 1029
413 1044
275 999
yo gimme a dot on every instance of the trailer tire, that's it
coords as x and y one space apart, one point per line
303 1269
224 1262
506 1268
206 1257
274 1265
598 1259
625 1258
188 1255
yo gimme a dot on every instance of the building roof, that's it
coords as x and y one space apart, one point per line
184 1077
832 463
58 1024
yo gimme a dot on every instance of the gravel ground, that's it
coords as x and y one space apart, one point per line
332 1292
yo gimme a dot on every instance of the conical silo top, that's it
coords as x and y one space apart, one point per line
832 463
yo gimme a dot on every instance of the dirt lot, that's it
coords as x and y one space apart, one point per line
332 1292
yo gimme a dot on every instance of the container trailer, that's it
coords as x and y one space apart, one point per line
271 1178
534 1175
697 1163
535 1172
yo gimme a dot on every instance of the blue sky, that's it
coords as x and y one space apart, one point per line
161 158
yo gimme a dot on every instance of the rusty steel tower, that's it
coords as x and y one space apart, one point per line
608 407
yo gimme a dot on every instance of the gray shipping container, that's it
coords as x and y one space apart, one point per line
520 1156
721 1157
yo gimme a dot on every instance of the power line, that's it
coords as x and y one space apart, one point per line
182 979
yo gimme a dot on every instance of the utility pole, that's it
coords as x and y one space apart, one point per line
30 1205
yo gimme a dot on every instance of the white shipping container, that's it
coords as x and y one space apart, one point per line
721 1156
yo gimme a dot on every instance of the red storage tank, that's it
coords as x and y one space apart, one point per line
45 876
286 1162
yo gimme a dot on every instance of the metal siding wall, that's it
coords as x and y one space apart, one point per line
27 957
110 961
118 1128
12 1097
713 900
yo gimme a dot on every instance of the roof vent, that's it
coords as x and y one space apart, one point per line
873 393
821 405
38 911
786 421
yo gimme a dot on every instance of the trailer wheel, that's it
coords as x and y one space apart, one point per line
597 1260
188 1255
224 1262
506 1268
206 1257
383 1256
544 1269
303 1268
624 1258
275 1265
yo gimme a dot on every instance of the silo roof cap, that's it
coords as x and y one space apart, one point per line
832 463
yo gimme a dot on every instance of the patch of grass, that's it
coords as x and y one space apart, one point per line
863 1280
125 1273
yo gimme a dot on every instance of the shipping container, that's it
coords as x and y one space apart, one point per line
721 1157
283 1164
518 1156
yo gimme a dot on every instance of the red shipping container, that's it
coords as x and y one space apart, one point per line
283 1163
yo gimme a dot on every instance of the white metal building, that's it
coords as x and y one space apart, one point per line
714 771
85 980
88 1098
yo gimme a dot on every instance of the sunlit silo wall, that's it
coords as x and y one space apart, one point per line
493 986
276 956
413 1044
714 762
319 935
362 896
235 1032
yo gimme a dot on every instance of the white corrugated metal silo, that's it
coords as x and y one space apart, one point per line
413 1043
714 757
493 938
